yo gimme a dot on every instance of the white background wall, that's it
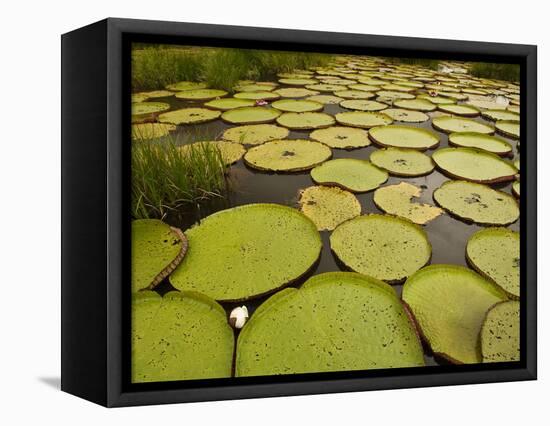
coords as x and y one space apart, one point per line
30 199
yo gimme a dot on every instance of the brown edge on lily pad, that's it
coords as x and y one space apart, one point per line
174 264
479 341
372 138
500 179
448 132
295 170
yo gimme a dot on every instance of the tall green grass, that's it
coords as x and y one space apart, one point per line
432 64
506 72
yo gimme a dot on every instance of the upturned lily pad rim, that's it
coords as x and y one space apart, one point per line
218 104
211 115
207 94
328 120
499 129
454 135
377 129
483 325
271 115
436 124
312 106
406 150
452 109
341 119
342 186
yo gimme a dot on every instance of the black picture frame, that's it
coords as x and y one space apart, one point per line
95 215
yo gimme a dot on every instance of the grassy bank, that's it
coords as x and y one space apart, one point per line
432 64
507 72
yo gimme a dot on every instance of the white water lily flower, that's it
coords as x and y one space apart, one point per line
238 317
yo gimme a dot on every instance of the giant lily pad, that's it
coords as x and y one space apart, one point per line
342 137
295 105
348 173
381 246
402 162
147 110
415 104
508 128
354 94
480 141
500 335
256 87
516 188
247 251
325 99
477 203
255 134
189 116
231 152
494 253
200 94
449 303
364 120
438 100
305 120
475 165
406 115
459 109
391 95
287 155
156 251
336 321
152 94
404 137
145 131
295 92
181 336
225 104
186 85
397 200
363 105
498 115
328 206
450 124
259 95
325 87
297 81
250 115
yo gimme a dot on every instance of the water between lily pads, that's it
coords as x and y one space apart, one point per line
448 236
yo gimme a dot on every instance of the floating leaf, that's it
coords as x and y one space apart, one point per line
250 115
342 137
392 95
255 134
142 111
294 105
152 94
305 120
363 105
259 95
189 116
325 99
404 137
361 119
200 94
480 141
438 100
406 115
297 81
225 104
459 109
145 131
325 87
402 162
256 87
351 174
186 85
450 124
354 94
498 115
500 334
292 92
515 188
415 104
508 128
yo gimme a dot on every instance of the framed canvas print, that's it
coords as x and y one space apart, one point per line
253 212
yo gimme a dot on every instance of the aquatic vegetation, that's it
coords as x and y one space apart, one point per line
305 120
393 96
480 141
287 155
328 206
354 94
449 303
250 115
494 253
362 119
402 162
320 335
225 104
255 134
157 249
500 334
294 105
363 105
180 325
477 203
151 95
146 131
231 152
256 87
515 188
438 100
324 87
508 128
341 137
260 95
498 115
400 136
508 72
459 109
143 111
201 94
351 174
189 116
277 245
474 164
397 200
415 104
452 124
186 85
297 81
325 99
406 115
292 92
381 246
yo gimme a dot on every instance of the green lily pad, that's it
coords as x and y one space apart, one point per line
438 100
256 87
310 329
259 95
515 188
402 162
406 115
189 116
404 137
181 336
459 109
139 97
398 88
297 81
363 105
381 246
287 155
153 94
500 334
328 206
324 87
325 99
342 137
255 134
361 119
450 124
351 174
513 108
480 141
295 105
200 94
449 303
508 128
455 96
247 251
145 131
305 120
225 104
363 87
391 95
486 103
231 152
295 92
186 85
477 203
498 115
156 251
415 104
250 115
474 164
494 253
147 110
397 201
354 94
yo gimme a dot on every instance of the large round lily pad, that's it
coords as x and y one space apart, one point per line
459 109
451 124
348 173
381 246
181 336
305 120
231 152
225 104
259 95
295 92
186 85
402 162
494 253
354 94
147 110
363 105
404 137
342 137
325 87
362 119
325 99
392 95
474 164
406 115
189 116
297 81
250 115
516 188
201 94
328 206
415 104
508 128
438 100
256 87
255 134
336 321
296 105
498 115
480 141
287 155
397 200
152 94
449 303
500 334
247 251
156 251
145 131
477 203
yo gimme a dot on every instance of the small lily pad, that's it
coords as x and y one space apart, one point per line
351 174
287 155
225 104
250 115
498 115
342 137
415 104
459 109
186 85
361 119
477 203
402 162
406 115
404 137
145 131
189 116
256 96
231 152
296 105
255 134
305 120
381 246
147 110
363 105
325 99
200 94
508 128
328 206
450 124
480 141
295 92
500 334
